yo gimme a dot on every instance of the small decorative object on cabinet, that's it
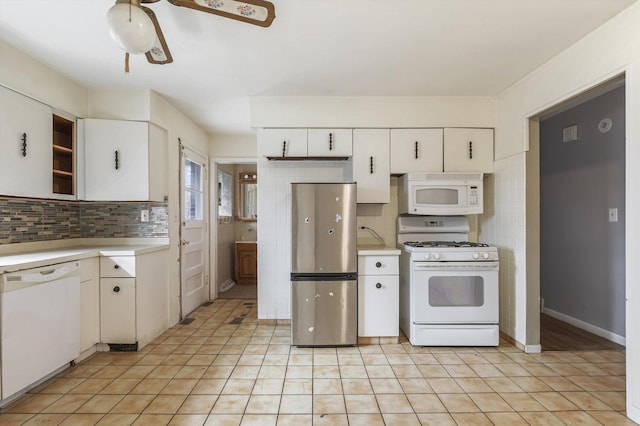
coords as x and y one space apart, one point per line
63 156
371 165
246 262
378 295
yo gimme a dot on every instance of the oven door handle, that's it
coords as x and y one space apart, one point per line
455 266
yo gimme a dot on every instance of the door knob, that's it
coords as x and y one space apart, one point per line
185 242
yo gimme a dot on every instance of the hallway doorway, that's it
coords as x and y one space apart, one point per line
235 238
582 222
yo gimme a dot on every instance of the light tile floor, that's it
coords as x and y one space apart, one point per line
225 369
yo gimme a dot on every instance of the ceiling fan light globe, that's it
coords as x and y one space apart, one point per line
131 28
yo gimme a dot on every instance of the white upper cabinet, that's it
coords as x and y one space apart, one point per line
26 133
124 160
329 143
304 143
468 150
416 150
371 165
282 142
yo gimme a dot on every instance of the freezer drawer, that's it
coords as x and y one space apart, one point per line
324 313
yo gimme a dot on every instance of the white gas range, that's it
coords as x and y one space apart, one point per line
448 286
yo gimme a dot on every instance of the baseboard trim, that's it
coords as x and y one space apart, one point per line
606 334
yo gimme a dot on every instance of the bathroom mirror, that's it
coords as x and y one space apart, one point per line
225 194
247 196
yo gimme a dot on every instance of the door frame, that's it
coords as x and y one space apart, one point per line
532 252
213 215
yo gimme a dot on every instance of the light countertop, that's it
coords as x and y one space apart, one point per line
12 262
373 250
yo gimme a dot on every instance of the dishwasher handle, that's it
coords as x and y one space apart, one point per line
45 274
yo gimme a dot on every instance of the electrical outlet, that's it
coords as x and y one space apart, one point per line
613 215
144 215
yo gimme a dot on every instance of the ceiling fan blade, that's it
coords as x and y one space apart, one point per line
159 53
256 12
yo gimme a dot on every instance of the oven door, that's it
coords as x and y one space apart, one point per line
455 292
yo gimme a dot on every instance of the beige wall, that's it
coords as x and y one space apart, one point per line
236 146
22 73
372 111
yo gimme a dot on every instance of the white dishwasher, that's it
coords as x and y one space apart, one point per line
39 324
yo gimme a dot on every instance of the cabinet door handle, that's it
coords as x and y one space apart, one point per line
116 266
378 285
116 289
284 148
470 150
416 150
117 158
24 144
370 165
330 141
378 264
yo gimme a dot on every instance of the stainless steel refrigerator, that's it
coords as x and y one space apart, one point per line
324 264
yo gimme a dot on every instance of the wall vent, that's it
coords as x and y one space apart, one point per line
570 134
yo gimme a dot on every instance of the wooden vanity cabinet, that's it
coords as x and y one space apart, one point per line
246 262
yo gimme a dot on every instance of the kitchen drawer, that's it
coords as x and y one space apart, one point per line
378 265
118 266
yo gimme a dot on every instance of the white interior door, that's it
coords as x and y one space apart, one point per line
194 285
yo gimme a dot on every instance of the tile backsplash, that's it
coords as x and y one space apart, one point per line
29 220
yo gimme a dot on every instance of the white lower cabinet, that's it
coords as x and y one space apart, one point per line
118 310
378 295
89 304
133 298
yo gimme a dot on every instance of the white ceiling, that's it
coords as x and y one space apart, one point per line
313 48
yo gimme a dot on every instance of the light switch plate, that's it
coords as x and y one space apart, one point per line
144 215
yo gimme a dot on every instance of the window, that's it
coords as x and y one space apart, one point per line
193 190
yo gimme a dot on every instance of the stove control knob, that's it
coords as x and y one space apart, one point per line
436 256
475 255
427 256
485 255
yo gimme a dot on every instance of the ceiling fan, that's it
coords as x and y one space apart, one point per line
136 29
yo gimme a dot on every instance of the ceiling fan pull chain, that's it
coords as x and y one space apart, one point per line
126 62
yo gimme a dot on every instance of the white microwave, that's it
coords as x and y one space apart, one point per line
444 194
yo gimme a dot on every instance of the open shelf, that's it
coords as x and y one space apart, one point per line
63 156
